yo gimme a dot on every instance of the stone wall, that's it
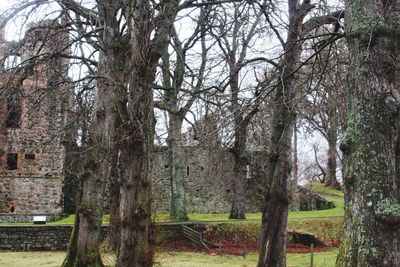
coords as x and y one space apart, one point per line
33 105
30 195
26 217
56 237
34 237
208 183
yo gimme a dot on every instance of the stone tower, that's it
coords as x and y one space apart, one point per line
33 105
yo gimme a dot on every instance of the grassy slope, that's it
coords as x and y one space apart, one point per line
333 195
52 259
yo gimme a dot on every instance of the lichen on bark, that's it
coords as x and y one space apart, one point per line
371 143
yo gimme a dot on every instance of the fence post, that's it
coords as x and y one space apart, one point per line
312 254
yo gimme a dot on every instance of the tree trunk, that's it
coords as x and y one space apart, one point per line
240 171
331 137
147 40
136 247
114 228
238 209
91 210
73 241
177 169
276 198
275 210
96 167
295 160
371 141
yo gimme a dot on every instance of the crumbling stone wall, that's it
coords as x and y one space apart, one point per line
33 107
208 181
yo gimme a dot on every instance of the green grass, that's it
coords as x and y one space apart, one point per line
321 189
168 259
333 195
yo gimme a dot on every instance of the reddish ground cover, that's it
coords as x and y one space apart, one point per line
231 246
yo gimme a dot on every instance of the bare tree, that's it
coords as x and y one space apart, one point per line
180 90
322 105
276 195
235 30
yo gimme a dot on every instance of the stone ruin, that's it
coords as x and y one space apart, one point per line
33 113
33 104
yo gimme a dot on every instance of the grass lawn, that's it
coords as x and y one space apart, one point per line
333 195
324 224
168 259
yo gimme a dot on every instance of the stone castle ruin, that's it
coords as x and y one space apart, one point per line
32 116
34 101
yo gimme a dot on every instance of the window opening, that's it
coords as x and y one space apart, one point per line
187 170
12 62
13 113
12 161
30 156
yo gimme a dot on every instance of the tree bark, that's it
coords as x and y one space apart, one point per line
371 141
100 141
73 241
177 169
275 210
276 198
90 210
136 248
114 187
148 39
240 170
331 137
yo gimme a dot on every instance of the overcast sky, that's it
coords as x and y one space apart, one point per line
4 4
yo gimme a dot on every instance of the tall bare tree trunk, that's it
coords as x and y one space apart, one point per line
371 141
331 137
177 169
100 142
239 169
136 247
276 198
86 232
114 187
275 210
148 39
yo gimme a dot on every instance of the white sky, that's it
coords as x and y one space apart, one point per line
5 4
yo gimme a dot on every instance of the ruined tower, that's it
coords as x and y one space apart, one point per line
33 105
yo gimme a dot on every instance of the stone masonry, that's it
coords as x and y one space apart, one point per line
33 102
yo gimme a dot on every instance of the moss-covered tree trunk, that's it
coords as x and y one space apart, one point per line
371 141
